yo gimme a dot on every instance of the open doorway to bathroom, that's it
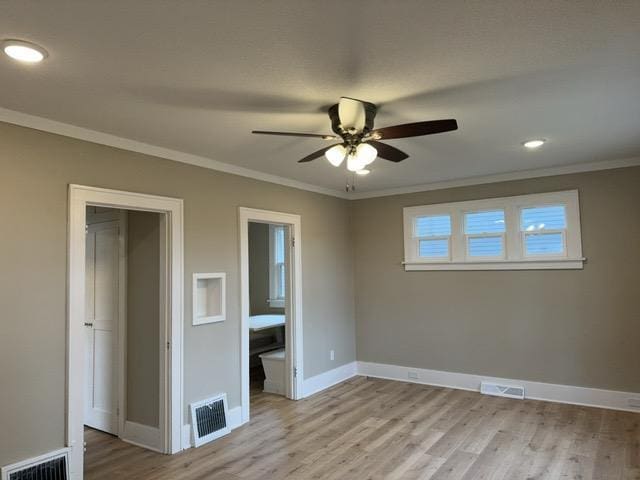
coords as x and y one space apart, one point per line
268 296
270 261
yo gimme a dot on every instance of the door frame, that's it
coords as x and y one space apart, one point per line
171 403
293 338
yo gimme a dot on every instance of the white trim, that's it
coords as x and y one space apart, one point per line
234 419
560 264
501 177
7 470
513 255
592 397
60 128
101 138
142 436
330 378
294 354
79 197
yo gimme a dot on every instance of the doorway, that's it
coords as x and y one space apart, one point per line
274 315
102 340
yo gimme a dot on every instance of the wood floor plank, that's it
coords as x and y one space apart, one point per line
372 429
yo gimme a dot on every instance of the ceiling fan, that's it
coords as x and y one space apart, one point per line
359 142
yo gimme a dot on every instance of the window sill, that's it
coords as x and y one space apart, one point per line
276 303
547 264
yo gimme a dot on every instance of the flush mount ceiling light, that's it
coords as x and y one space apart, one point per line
533 144
25 52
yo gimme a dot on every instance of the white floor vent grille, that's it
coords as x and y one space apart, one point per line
209 419
510 391
52 466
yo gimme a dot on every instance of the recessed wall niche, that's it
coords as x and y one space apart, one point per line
208 298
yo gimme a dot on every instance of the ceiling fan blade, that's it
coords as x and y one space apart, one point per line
415 129
317 154
388 152
352 114
294 134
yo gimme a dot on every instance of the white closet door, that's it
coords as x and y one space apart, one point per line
102 277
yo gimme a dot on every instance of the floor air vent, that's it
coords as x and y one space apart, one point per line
502 390
52 466
209 419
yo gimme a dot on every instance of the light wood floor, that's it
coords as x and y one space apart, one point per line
378 429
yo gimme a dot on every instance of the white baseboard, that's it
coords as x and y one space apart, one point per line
328 379
592 397
235 421
142 436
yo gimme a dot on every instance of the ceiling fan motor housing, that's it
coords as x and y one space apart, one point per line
370 113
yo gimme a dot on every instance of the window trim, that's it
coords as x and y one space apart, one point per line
274 300
514 254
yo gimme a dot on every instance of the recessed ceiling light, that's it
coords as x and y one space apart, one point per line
532 144
363 171
25 52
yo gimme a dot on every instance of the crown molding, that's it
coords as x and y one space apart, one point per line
93 136
501 177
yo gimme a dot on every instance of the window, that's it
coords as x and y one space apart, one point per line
484 234
433 234
276 265
524 232
544 230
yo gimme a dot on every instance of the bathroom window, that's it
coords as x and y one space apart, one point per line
277 283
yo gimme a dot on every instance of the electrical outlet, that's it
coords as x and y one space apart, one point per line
634 402
332 355
413 375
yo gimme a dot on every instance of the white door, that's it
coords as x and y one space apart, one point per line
102 297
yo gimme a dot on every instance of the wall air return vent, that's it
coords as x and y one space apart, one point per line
510 391
209 419
51 466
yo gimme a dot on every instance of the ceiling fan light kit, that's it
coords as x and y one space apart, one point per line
336 155
352 122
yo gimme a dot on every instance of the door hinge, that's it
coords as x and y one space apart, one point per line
293 241
295 372
86 229
118 411
168 345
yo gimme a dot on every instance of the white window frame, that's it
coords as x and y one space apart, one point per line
514 255
524 233
467 236
274 275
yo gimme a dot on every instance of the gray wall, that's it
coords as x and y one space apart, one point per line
143 317
36 170
259 270
574 327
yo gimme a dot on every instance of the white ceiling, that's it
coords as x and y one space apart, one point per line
198 76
